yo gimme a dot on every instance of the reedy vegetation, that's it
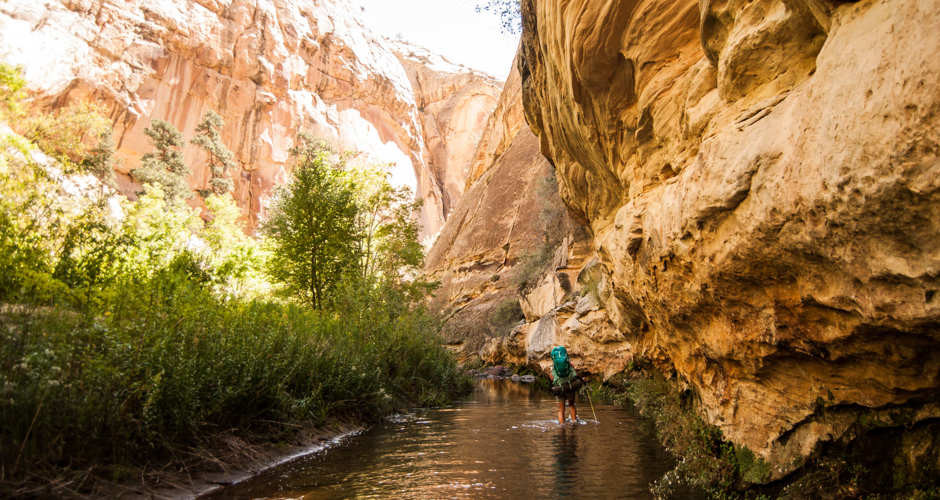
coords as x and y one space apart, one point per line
127 334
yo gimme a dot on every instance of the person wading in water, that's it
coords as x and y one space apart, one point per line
565 383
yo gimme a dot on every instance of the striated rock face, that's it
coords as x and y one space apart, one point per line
453 106
502 234
760 179
271 68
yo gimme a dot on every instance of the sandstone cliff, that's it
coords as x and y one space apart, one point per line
760 182
504 233
271 68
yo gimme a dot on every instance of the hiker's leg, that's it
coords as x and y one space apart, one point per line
561 411
574 410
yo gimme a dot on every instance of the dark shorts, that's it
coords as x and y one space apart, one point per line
570 390
568 396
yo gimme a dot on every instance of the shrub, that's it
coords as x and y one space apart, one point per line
32 225
77 136
12 91
706 460
169 362
164 167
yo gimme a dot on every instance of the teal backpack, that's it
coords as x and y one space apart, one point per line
560 361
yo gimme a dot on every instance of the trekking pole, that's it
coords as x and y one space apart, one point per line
588 392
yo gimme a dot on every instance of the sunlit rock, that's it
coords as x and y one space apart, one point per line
270 68
496 237
761 184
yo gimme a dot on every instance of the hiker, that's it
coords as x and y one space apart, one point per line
565 383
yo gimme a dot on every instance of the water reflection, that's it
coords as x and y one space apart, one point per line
565 443
501 443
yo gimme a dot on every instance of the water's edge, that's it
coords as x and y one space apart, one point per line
200 482
325 441
501 442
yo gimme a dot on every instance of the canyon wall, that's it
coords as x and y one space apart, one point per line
504 232
270 68
760 184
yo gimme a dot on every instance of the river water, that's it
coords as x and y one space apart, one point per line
500 443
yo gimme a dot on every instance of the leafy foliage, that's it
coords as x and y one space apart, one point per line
132 331
12 91
509 13
707 461
100 159
32 225
238 258
208 137
313 228
387 233
169 361
165 167
77 136
339 231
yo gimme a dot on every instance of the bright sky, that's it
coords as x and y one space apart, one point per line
450 28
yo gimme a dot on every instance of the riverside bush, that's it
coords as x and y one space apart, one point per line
169 361
124 358
130 334
706 461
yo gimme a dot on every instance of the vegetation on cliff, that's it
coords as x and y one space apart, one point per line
707 461
710 465
132 330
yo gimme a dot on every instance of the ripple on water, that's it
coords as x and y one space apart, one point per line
503 443
401 418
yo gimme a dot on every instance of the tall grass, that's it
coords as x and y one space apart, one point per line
166 364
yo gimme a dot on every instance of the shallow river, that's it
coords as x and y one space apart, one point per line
500 443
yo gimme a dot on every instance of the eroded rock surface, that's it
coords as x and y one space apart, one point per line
271 68
502 234
760 179
453 106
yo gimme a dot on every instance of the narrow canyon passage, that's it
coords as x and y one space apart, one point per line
500 443
229 226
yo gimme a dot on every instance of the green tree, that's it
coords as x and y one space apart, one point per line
387 226
220 158
91 259
238 260
12 91
78 136
165 167
100 160
313 227
161 230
